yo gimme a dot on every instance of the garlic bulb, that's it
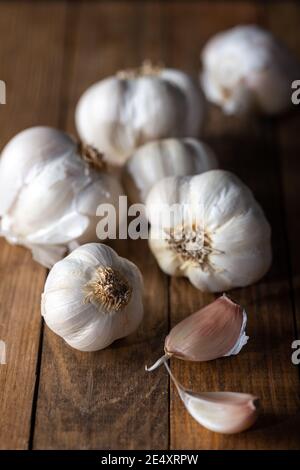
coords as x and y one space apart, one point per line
49 195
216 330
246 68
124 111
169 157
210 229
93 297
222 412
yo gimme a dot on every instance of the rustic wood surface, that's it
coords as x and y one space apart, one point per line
53 397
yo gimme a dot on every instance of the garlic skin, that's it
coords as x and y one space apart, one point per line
168 157
49 195
246 68
93 297
124 111
221 242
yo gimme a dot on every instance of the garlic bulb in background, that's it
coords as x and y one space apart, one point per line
124 111
49 195
222 412
210 229
169 157
215 331
247 68
93 297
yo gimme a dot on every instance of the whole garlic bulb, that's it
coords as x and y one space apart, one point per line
124 111
93 297
218 236
168 157
247 68
49 195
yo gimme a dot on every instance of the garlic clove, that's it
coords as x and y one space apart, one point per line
214 331
25 154
222 412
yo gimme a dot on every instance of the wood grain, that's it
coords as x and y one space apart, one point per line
28 58
50 52
106 399
264 367
284 21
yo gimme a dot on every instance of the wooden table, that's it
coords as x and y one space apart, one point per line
53 397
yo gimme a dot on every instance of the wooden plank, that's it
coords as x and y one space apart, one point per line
264 367
105 399
29 55
283 20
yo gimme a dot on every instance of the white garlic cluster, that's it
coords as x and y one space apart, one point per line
246 68
93 297
220 242
49 195
122 112
168 157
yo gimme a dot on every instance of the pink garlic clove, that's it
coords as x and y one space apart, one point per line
214 331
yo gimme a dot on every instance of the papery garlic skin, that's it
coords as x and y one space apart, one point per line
89 320
215 331
246 68
222 412
222 242
168 157
122 112
49 195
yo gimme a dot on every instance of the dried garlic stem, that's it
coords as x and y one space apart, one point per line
146 69
192 245
159 362
109 288
92 156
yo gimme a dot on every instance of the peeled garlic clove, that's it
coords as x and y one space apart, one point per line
215 331
168 157
246 68
122 112
93 297
210 229
49 194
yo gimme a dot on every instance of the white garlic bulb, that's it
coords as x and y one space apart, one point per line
49 195
93 297
122 112
210 229
168 157
247 68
